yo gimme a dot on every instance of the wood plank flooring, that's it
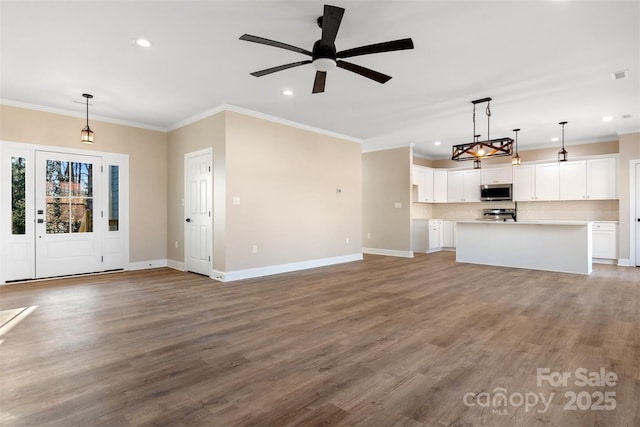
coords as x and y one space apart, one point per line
383 342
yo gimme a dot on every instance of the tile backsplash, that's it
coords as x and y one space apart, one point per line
579 210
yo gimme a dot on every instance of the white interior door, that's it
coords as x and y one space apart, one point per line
198 235
68 214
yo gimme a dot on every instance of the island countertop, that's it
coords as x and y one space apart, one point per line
562 246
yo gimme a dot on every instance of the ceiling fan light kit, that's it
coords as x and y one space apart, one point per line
477 150
324 56
563 155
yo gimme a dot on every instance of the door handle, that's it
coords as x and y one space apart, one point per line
188 219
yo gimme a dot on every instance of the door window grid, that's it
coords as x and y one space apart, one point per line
18 195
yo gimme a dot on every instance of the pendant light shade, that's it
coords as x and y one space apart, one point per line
563 156
86 136
516 160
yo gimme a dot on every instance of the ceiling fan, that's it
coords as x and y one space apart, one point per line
324 56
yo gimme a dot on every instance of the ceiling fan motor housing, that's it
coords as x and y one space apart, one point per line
324 56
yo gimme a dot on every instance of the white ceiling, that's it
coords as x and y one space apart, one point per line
541 61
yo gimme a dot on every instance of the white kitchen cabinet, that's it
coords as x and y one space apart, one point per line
605 240
591 179
573 180
420 235
499 175
440 186
536 182
448 234
463 186
422 177
547 181
601 178
435 234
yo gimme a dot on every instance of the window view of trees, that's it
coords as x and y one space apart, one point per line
69 197
18 195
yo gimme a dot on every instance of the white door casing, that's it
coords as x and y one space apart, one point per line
198 212
27 250
636 219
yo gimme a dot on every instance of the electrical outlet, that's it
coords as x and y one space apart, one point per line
347 240
368 235
235 200
176 244
255 249
398 205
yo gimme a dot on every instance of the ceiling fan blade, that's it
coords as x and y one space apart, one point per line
261 40
366 72
318 84
377 48
279 68
331 23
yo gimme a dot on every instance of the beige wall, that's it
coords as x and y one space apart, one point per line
286 179
580 150
205 133
629 150
386 177
147 152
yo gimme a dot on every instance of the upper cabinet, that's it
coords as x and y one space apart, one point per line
591 179
463 186
499 175
536 182
440 186
422 177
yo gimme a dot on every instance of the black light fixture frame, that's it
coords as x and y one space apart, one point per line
563 155
86 135
498 147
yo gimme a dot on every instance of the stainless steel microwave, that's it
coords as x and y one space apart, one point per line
490 193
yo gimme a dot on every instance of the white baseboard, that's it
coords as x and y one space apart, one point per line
388 252
176 265
626 262
604 261
144 265
250 273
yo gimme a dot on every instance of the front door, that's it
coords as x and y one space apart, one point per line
68 217
198 212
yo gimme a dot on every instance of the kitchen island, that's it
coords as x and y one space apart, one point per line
562 246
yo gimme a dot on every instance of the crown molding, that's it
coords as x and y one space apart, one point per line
81 115
263 116
628 132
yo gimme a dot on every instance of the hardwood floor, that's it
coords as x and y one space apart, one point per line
383 342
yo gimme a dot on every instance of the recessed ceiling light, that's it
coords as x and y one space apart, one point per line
555 139
287 92
607 118
437 143
142 42
626 116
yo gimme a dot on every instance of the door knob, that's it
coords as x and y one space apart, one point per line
188 219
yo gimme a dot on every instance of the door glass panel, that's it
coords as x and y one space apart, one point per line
69 197
18 193
114 198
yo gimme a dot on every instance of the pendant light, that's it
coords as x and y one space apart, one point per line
477 150
86 136
516 160
563 156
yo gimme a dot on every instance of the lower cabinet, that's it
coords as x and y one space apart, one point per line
605 240
449 234
435 234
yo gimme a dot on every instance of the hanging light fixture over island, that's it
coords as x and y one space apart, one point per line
86 136
477 150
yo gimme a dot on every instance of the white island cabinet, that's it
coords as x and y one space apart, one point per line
562 246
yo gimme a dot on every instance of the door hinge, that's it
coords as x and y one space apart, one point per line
209 168
102 258
101 168
209 213
101 214
209 258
